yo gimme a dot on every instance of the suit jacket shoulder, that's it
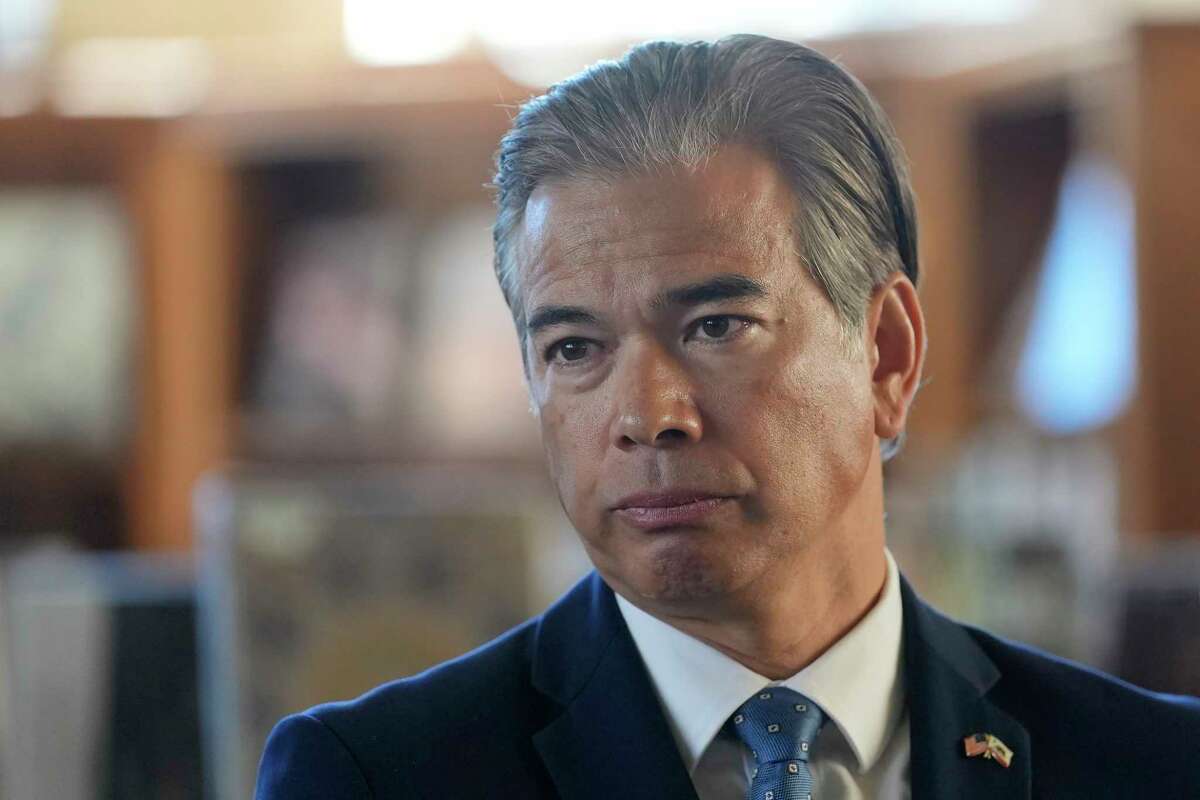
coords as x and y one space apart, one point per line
560 707
472 715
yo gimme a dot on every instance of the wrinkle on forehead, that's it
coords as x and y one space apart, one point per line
736 208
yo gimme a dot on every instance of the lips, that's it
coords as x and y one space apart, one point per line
664 499
651 510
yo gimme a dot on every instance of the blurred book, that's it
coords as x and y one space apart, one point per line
99 675
1158 642
67 317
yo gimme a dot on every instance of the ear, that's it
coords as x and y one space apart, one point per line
895 337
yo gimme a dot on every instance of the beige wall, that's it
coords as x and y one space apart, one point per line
316 24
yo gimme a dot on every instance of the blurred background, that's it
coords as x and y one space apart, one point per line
263 437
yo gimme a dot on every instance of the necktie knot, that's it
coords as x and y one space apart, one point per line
779 726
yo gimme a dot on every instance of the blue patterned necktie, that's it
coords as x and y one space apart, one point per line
779 726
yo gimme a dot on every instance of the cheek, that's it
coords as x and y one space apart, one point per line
571 433
817 431
552 423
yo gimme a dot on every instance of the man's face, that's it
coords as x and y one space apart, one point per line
703 419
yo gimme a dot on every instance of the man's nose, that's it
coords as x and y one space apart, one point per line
654 400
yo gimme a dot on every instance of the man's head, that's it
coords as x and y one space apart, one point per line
709 251
666 104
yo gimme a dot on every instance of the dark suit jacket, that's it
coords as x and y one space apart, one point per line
562 707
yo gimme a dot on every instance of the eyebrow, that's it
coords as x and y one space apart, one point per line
720 287
548 316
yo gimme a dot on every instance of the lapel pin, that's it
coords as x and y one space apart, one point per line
988 746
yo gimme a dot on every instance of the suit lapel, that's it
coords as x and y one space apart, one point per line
948 677
611 739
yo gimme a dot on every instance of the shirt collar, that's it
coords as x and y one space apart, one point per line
857 682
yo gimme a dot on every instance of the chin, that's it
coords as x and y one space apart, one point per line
675 567
681 574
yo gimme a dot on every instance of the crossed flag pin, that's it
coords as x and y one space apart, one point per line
988 746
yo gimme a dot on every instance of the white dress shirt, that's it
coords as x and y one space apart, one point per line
863 749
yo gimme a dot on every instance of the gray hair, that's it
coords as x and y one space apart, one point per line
668 103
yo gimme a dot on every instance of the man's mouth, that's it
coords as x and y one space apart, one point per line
651 510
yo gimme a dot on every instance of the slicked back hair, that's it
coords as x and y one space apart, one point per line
666 105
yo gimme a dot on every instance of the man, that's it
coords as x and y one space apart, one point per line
710 254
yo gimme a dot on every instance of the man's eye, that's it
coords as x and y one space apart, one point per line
715 327
719 327
568 350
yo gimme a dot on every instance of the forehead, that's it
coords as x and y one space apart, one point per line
735 208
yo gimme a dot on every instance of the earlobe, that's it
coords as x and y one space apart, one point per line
896 327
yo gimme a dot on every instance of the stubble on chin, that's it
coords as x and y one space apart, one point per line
681 577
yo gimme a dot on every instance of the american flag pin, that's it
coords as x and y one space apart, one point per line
988 746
